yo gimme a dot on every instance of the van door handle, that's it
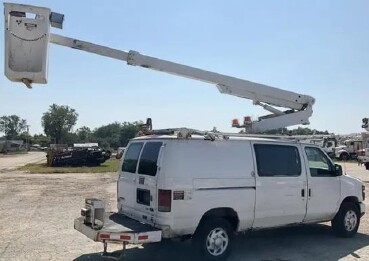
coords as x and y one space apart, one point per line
309 192
303 193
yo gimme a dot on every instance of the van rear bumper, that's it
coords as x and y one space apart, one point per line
119 228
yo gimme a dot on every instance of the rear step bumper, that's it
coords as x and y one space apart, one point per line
119 228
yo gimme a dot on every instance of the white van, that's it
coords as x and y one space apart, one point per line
210 189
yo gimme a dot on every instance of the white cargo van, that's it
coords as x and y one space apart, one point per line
210 189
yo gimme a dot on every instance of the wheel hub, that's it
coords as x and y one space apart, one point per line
217 241
350 220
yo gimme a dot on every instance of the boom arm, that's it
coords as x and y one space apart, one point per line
22 37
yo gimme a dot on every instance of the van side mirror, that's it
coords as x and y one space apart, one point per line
338 169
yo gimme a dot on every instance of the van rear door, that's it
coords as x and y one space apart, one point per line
139 189
126 187
146 192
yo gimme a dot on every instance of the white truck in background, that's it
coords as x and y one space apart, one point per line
327 142
188 184
364 158
349 149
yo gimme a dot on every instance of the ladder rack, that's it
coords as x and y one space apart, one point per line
186 133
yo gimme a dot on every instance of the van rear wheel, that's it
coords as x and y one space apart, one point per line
346 222
213 239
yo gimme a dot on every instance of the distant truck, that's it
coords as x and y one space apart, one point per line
326 143
364 157
349 149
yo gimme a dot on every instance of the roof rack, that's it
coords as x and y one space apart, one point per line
186 133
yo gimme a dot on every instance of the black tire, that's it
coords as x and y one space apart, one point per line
347 220
204 241
367 166
344 156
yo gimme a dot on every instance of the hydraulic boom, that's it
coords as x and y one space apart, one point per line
26 52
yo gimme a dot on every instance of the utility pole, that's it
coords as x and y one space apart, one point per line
27 126
6 142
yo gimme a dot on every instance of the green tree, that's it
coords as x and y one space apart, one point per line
128 131
12 126
84 133
41 139
107 135
115 134
58 121
70 138
298 131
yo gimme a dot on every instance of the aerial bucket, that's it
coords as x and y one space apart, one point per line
27 31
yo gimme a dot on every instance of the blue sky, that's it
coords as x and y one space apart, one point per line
319 48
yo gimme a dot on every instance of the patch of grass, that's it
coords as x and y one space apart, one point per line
110 165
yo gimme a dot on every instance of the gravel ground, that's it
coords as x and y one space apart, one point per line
10 162
37 212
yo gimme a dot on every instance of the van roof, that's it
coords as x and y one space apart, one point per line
200 137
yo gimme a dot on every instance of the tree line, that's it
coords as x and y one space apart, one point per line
297 131
59 121
58 125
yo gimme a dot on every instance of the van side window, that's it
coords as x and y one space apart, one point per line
277 160
131 157
149 158
319 164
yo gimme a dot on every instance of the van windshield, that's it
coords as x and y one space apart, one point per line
131 157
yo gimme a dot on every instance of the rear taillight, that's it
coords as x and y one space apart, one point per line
164 200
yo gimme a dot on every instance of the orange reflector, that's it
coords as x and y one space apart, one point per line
235 123
125 237
247 119
104 236
143 237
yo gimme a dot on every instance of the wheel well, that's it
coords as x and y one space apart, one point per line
227 213
351 199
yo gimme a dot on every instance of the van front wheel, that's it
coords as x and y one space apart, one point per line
213 239
346 222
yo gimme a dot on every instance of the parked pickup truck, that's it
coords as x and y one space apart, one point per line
211 189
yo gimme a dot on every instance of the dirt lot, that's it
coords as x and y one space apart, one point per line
10 162
37 212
